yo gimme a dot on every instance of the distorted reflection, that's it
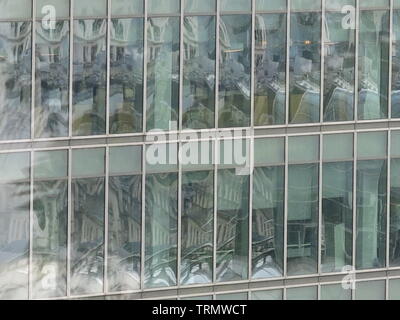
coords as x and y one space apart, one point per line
15 80
339 76
270 69
197 227
52 80
162 72
14 225
235 70
126 75
199 72
373 64
305 67
161 229
232 226
89 76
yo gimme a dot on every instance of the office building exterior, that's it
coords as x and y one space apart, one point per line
200 149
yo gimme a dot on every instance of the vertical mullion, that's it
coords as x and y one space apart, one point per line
217 64
143 219
108 74
391 38
215 224
288 39
71 66
107 173
33 69
181 56
144 109
320 195
356 56
322 77
354 256
285 220
69 224
31 214
389 190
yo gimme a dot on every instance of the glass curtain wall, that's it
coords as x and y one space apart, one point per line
89 68
305 61
87 221
234 65
268 208
303 205
337 202
50 224
124 218
396 60
270 63
394 249
371 200
373 60
339 64
14 225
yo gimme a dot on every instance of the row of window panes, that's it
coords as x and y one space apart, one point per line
163 97
88 193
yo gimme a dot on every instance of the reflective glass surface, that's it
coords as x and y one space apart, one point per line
89 77
50 220
126 76
305 67
161 229
270 69
199 72
235 71
52 80
267 295
396 64
15 80
335 292
197 227
370 290
162 72
14 225
394 253
232 226
373 64
301 293
339 68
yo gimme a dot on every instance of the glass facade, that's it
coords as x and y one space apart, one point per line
179 146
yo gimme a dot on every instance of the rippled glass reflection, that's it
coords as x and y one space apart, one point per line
199 72
305 67
339 69
89 77
15 80
162 72
268 216
161 229
87 251
270 69
235 69
52 80
232 226
373 64
126 75
197 227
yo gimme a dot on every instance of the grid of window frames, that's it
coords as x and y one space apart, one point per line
100 219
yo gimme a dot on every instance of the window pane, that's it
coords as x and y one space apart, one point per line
235 68
268 219
15 9
373 64
232 296
337 216
372 145
394 253
302 293
339 4
270 69
163 7
83 168
161 229
162 72
15 80
126 7
50 225
232 226
396 64
303 149
235 5
394 289
371 290
90 8
199 72
305 67
199 6
125 160
305 4
124 234
269 151
126 83
268 5
331 152
339 69
204 298
52 80
267 295
61 6
89 87
14 225
335 292
371 214
302 236
197 227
